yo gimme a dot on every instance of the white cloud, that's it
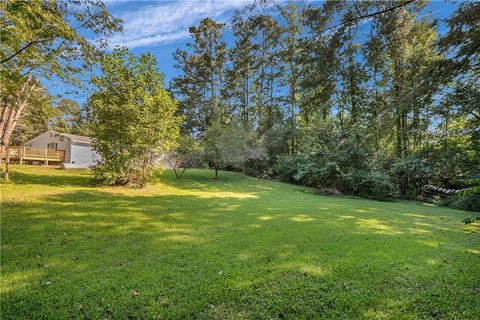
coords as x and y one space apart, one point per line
156 22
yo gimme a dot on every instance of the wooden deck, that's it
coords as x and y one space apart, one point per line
24 154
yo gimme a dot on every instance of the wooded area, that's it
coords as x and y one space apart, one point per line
374 98
367 98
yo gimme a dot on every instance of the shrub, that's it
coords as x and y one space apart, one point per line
301 169
311 174
374 184
410 175
470 202
366 184
308 174
187 154
288 167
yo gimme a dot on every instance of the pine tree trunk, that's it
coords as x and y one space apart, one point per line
405 134
398 124
416 126
399 111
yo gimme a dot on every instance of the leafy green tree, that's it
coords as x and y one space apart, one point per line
246 147
189 92
41 39
462 38
346 95
406 46
459 108
320 60
187 153
290 56
231 145
68 117
133 118
218 143
36 120
352 79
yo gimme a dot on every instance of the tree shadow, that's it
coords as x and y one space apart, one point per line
54 179
213 249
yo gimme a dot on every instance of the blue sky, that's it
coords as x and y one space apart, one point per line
160 27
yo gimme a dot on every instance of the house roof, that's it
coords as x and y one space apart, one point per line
74 138
77 138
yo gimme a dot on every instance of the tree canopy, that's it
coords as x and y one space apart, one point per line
132 118
344 94
42 40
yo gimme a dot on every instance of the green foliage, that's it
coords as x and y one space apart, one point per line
472 182
470 220
287 167
472 190
410 174
231 145
469 202
44 37
304 170
462 37
48 113
36 120
45 40
217 145
469 191
187 153
249 149
68 117
200 86
132 118
397 104
373 184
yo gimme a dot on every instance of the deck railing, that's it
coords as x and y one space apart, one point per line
33 153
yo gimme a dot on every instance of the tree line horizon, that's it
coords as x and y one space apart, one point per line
363 98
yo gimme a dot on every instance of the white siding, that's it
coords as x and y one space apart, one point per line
83 155
44 139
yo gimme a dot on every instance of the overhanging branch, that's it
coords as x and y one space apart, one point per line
359 18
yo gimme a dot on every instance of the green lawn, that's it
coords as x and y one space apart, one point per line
227 249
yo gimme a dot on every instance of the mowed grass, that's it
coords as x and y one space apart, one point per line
228 249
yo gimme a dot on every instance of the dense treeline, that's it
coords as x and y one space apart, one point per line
365 98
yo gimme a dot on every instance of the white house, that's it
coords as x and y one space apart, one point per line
77 150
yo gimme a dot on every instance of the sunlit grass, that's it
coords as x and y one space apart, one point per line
232 248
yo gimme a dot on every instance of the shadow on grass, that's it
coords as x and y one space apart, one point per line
54 179
277 254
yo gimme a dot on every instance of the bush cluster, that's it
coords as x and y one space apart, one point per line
304 170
